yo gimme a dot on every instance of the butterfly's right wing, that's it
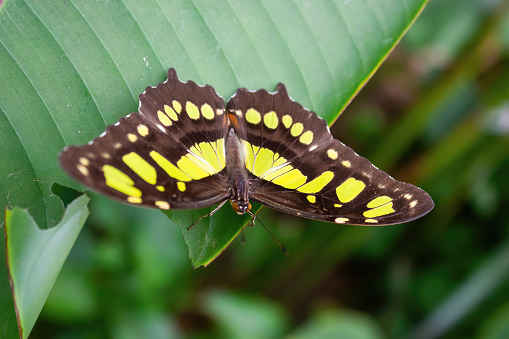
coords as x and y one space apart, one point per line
298 168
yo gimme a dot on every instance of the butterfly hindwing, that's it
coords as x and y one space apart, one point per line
187 112
276 122
297 167
170 156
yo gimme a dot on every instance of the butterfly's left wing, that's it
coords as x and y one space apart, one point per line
297 167
169 155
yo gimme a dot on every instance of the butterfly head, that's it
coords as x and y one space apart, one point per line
240 207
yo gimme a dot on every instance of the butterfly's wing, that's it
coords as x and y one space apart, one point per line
170 155
297 167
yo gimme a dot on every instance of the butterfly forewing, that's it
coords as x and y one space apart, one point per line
263 118
297 167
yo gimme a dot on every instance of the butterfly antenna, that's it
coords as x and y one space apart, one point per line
271 234
243 241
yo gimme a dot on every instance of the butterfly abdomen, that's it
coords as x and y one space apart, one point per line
237 173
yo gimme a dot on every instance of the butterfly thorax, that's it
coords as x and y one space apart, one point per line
237 174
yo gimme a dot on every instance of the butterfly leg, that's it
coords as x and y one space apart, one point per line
208 214
251 222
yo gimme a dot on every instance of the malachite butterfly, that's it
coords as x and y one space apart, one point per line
185 150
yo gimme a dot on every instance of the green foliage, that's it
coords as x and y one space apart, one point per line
435 115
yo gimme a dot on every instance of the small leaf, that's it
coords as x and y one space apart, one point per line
35 257
244 316
338 324
210 237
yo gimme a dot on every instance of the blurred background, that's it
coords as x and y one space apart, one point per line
436 114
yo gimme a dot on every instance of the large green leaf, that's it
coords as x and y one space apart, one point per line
69 68
35 257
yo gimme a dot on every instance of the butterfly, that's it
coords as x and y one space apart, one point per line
185 149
